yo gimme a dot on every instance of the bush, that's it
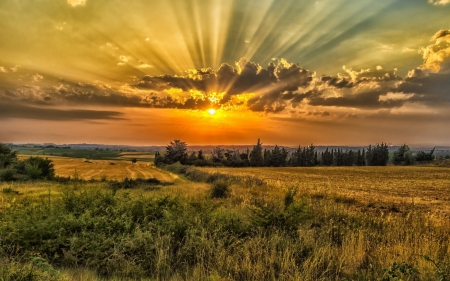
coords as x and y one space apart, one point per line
44 165
35 168
8 174
220 189
177 168
34 268
33 171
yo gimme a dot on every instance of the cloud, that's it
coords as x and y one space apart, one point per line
8 111
144 65
243 78
15 68
364 100
123 60
75 3
3 69
432 88
439 2
280 86
37 77
435 55
408 50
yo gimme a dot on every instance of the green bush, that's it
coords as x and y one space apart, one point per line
33 171
33 268
177 168
220 189
8 174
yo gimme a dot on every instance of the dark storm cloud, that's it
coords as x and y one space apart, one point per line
8 111
367 100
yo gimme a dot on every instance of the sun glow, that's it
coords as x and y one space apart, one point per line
212 111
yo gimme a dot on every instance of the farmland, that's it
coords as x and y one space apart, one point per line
316 223
115 169
91 154
425 188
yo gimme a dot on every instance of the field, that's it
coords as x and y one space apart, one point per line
90 154
117 169
423 188
321 223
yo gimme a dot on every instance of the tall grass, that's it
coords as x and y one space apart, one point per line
257 232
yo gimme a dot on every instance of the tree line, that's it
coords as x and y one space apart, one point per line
377 155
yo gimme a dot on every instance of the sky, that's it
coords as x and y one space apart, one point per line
290 72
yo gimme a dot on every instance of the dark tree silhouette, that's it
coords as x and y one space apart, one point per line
256 157
175 151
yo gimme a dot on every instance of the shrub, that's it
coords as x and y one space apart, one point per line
220 189
33 171
34 268
177 168
45 165
36 168
7 174
196 175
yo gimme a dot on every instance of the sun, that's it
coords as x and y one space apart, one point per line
212 111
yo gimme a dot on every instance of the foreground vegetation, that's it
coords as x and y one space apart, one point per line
232 224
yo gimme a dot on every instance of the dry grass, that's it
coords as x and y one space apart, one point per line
365 188
107 169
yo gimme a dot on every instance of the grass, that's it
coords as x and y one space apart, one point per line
352 223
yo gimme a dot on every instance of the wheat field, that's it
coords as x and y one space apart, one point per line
365 188
107 169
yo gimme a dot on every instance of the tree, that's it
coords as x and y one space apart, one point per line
423 156
403 156
200 155
192 157
361 161
176 151
218 154
327 158
256 157
158 159
277 157
377 156
7 156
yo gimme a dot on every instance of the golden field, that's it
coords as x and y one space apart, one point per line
117 169
369 188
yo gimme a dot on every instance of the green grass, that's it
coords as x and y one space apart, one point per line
274 224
